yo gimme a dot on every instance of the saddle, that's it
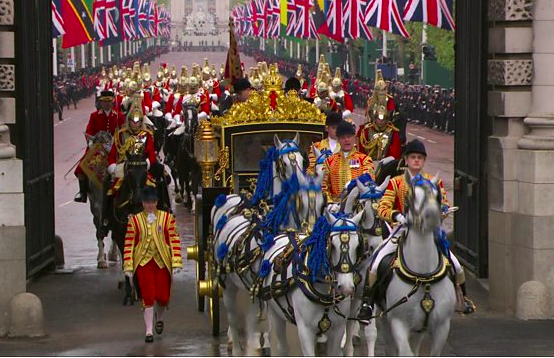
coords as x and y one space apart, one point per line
394 263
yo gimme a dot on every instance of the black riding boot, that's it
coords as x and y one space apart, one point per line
469 306
81 196
366 310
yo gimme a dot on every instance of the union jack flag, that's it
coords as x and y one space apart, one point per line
153 18
291 17
335 23
248 23
384 14
57 19
260 19
275 13
128 19
142 19
237 19
354 23
99 10
305 25
433 12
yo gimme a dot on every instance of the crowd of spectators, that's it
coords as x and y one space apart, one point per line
70 88
431 106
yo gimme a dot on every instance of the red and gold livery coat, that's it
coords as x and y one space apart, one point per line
140 235
340 170
321 145
116 154
394 198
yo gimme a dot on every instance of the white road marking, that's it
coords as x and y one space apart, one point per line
431 141
420 137
410 133
66 203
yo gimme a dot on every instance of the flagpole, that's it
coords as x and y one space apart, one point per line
73 59
307 50
93 54
316 49
275 46
109 53
423 42
83 64
101 55
298 50
55 57
121 50
291 50
384 52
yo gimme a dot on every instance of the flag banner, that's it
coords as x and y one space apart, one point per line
353 18
112 23
437 13
57 20
233 64
77 17
127 12
385 15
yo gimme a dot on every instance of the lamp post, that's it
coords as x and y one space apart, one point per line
206 151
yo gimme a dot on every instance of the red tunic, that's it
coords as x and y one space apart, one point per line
395 147
99 122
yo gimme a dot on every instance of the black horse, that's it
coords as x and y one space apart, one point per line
188 170
128 201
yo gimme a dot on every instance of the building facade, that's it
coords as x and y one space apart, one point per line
200 22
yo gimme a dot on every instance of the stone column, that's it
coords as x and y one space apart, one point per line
534 247
12 217
510 70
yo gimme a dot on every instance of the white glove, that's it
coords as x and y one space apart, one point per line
147 164
129 274
111 168
400 218
346 114
202 115
176 270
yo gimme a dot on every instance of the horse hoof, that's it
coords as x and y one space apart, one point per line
102 264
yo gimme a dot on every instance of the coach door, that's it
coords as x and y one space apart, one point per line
35 128
472 130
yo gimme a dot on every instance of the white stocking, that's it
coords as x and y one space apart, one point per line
159 312
149 319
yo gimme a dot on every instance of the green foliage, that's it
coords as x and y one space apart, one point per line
442 40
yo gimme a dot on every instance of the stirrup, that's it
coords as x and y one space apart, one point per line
80 198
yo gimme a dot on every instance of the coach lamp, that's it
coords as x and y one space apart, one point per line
206 151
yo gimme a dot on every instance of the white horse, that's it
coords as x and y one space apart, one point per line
364 196
235 231
339 249
423 278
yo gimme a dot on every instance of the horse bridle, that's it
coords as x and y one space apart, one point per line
290 148
345 264
409 204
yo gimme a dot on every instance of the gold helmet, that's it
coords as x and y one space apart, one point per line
214 72
206 70
173 72
135 113
299 73
184 80
103 73
377 105
146 77
194 84
222 71
322 89
336 83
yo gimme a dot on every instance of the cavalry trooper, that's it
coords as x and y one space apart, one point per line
391 209
330 143
105 119
130 137
153 254
347 164
379 138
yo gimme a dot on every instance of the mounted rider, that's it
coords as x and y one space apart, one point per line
105 119
174 105
379 138
330 143
392 209
343 100
132 138
348 164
